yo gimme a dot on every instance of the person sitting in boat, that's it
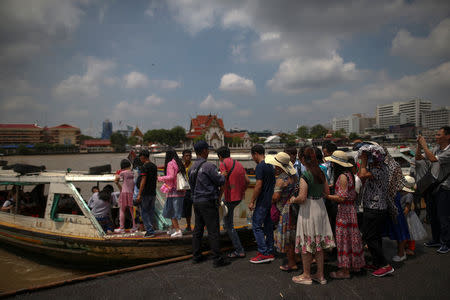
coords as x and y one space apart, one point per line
100 205
11 199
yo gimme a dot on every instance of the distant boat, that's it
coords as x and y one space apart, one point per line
79 238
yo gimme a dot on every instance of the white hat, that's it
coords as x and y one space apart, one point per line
283 161
409 186
340 158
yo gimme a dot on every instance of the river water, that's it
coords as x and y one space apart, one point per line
23 270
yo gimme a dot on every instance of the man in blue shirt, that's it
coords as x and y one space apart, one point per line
260 204
205 181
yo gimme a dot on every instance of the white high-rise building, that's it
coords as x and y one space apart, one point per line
398 113
435 119
356 123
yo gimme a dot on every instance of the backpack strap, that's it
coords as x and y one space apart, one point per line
231 170
195 176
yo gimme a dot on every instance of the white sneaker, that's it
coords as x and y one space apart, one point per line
176 234
170 231
119 230
399 258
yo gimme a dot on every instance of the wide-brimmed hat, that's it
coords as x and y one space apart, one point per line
282 160
339 157
409 184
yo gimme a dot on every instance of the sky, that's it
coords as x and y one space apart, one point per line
258 64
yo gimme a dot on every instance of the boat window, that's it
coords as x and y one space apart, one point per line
402 162
27 200
65 204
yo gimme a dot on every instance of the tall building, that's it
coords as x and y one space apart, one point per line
435 119
356 123
107 130
398 113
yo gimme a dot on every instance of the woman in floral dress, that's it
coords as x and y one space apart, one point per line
348 237
313 227
284 236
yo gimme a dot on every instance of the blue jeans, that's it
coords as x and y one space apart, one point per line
263 229
229 226
147 206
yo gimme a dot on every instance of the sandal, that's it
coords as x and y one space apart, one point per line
286 268
319 280
235 254
301 280
409 252
339 275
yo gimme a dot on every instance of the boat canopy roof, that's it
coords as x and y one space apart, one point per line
10 177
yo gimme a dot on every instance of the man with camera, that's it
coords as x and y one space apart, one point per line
437 196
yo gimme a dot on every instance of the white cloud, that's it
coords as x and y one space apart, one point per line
136 80
425 49
238 53
211 103
433 84
165 84
28 27
269 36
153 100
298 75
236 84
137 108
236 17
87 85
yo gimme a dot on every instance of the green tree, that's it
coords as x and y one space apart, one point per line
318 131
228 140
288 139
339 133
118 141
85 137
132 140
23 150
255 139
176 136
353 136
303 132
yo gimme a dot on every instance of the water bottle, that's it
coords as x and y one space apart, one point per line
249 216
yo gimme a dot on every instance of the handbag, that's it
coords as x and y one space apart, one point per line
182 182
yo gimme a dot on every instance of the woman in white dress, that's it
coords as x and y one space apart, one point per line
313 227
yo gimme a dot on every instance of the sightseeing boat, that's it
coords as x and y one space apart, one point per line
77 238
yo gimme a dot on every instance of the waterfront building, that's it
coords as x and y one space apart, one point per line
211 129
25 134
242 136
435 119
138 134
107 130
398 113
92 146
356 123
63 134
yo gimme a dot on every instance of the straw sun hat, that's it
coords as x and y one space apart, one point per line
340 158
409 186
283 161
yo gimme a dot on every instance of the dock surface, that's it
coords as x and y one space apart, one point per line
425 275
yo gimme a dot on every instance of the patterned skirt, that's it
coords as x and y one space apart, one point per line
284 235
313 227
348 238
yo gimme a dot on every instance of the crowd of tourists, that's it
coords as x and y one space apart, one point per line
307 203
